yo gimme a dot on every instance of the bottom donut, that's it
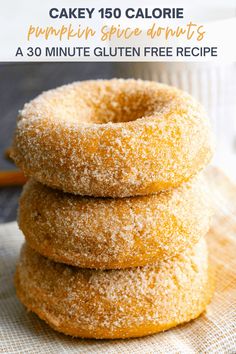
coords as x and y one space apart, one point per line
115 303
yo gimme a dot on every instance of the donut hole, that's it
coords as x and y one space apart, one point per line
109 104
121 108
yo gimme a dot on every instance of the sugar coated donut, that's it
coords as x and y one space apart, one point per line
113 233
112 138
115 303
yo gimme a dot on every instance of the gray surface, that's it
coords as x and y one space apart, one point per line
18 84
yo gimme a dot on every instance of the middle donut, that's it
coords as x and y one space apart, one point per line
106 233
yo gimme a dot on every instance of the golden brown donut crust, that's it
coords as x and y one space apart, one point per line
117 303
113 233
112 138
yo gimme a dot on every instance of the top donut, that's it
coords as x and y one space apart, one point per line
112 138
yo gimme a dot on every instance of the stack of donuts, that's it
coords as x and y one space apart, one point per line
115 209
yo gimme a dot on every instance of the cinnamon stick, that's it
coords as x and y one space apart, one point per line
12 178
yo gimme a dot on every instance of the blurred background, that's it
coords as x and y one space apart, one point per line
212 84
